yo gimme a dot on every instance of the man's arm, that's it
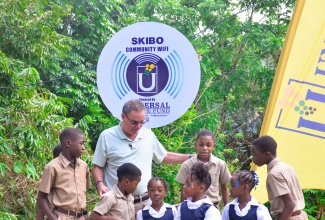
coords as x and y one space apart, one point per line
289 205
225 193
98 176
96 216
44 205
174 158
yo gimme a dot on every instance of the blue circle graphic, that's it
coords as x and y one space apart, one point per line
147 74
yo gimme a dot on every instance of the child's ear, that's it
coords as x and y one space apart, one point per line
202 187
268 153
68 143
126 181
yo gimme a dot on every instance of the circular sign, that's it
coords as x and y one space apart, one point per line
151 62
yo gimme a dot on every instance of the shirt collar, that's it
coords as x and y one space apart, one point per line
253 201
211 159
122 135
272 163
119 194
165 205
201 201
65 162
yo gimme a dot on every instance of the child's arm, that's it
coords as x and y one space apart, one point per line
289 206
225 213
225 193
96 216
43 204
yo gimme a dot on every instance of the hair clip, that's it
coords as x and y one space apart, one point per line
256 179
237 183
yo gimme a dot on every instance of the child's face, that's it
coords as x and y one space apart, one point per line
204 147
190 188
236 189
77 146
131 185
157 192
258 157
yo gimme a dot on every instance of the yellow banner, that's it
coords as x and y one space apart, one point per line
295 115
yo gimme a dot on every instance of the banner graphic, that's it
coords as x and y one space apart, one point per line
295 112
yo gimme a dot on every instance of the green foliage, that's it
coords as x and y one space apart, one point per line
315 203
3 166
7 216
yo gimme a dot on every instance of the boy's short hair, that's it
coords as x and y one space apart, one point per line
57 150
205 132
128 171
70 134
265 144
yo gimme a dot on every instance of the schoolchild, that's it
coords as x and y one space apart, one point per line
118 202
65 180
244 206
197 205
282 184
220 175
157 189
39 212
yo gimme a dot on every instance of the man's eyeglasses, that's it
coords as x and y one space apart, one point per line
133 122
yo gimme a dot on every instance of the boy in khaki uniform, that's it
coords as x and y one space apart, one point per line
220 175
65 180
283 188
39 211
117 204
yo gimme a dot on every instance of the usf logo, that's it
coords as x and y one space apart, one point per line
147 74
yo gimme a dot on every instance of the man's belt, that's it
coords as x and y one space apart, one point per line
140 198
76 214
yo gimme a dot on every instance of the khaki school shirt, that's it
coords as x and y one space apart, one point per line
115 204
65 185
282 179
219 175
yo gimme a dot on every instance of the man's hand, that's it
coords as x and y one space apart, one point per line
98 179
101 189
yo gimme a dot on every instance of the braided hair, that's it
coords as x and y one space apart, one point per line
200 173
247 177
162 180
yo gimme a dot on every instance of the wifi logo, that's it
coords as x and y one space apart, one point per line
147 74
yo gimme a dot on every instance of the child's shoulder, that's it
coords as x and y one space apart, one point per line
217 160
109 196
82 162
170 206
53 163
